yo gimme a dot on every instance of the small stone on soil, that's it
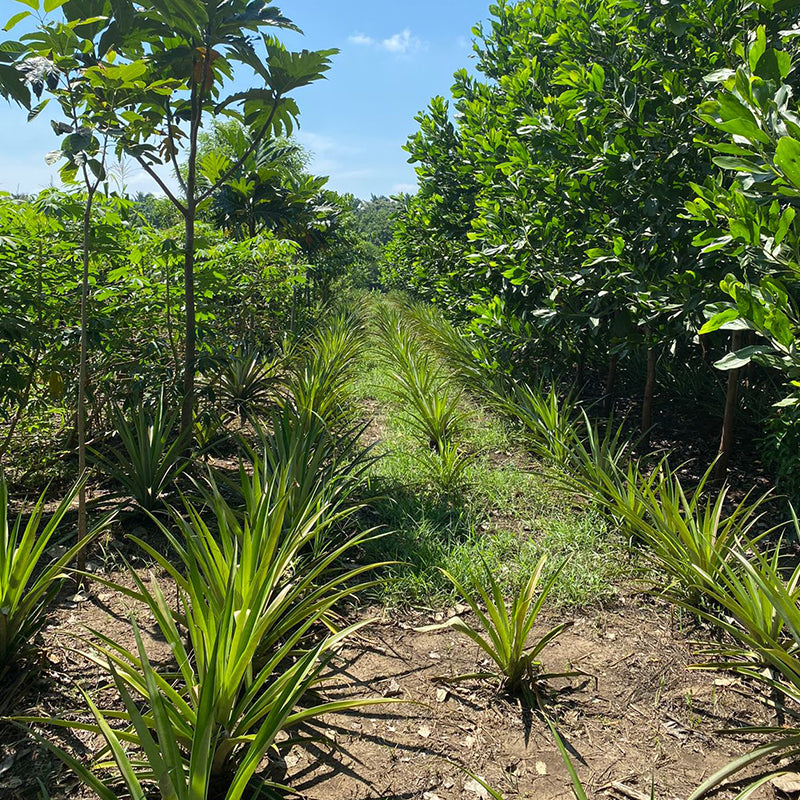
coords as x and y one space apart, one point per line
393 689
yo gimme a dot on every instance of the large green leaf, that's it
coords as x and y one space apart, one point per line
787 159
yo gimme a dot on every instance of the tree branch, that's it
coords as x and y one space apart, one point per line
164 188
172 150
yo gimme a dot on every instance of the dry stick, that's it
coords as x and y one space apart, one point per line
627 791
727 438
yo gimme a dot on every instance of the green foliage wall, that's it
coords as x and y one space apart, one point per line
245 297
551 215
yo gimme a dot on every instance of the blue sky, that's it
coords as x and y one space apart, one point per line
394 57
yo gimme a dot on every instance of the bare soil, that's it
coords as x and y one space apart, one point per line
638 715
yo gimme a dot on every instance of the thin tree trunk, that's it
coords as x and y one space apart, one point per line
649 392
83 375
190 345
580 367
170 329
728 438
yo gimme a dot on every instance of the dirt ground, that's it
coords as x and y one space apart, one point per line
638 715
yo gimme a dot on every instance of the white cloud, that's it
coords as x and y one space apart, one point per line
405 188
400 44
359 38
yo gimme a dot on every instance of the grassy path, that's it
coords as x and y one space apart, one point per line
638 714
505 514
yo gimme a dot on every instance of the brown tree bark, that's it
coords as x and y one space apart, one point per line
611 381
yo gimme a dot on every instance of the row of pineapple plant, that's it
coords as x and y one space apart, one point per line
259 579
704 551
257 570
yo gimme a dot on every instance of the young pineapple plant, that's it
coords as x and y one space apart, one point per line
247 383
253 630
548 421
760 615
503 630
324 366
201 733
152 454
690 536
474 365
447 469
432 403
29 578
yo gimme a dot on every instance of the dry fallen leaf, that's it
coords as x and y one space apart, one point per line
476 788
789 782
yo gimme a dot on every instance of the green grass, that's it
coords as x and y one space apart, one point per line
427 544
508 514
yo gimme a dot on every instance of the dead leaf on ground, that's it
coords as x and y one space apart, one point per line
789 782
476 788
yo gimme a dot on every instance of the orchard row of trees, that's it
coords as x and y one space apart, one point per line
587 192
252 291
109 301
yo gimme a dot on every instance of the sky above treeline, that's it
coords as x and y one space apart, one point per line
394 57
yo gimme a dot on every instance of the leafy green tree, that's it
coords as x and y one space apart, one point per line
61 58
173 64
37 271
157 212
266 191
553 188
374 218
749 210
